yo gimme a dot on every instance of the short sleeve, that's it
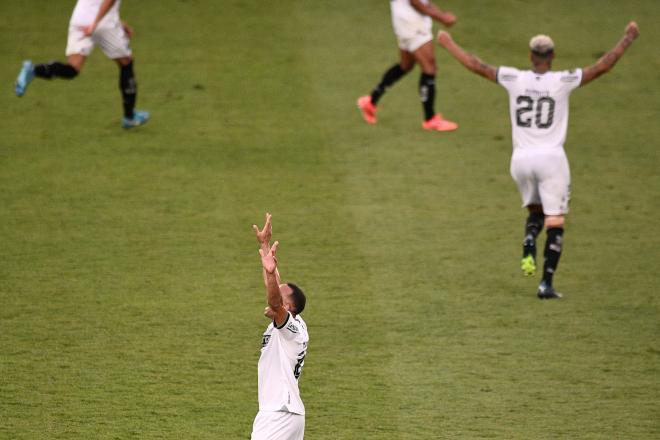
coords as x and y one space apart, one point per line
570 79
507 76
291 328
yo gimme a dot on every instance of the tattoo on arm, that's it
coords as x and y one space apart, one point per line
606 62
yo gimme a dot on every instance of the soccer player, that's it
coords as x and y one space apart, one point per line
93 22
538 103
281 413
413 22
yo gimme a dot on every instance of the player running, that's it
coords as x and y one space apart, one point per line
93 22
413 22
538 103
281 413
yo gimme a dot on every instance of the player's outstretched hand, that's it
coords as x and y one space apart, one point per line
632 30
127 29
264 235
448 19
268 259
444 38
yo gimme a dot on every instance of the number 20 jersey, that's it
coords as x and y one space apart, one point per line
538 106
283 351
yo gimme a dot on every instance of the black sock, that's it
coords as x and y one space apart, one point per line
128 89
533 227
391 76
55 69
427 94
552 253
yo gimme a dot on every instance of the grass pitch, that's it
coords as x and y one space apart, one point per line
130 282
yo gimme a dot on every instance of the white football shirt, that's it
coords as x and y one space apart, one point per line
86 10
538 106
403 10
282 358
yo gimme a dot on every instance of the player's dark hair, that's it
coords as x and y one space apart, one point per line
545 55
299 298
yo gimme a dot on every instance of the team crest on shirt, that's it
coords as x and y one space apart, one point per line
264 340
292 327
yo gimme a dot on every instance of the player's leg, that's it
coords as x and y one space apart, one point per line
554 226
69 70
522 172
533 227
554 189
393 74
425 57
115 44
78 49
128 88
368 104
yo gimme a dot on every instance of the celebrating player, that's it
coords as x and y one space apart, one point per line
93 22
281 413
538 102
413 22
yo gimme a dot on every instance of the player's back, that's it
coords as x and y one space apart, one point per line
538 106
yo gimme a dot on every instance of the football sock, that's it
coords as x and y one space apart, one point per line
533 227
55 69
391 76
427 94
128 89
552 253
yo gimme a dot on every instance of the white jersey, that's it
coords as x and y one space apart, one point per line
86 11
404 15
538 106
283 351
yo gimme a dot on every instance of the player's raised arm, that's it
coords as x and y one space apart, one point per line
263 237
607 61
444 17
275 310
470 61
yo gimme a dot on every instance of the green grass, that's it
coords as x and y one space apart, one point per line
130 286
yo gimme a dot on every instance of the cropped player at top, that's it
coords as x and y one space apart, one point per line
93 22
413 26
281 413
538 107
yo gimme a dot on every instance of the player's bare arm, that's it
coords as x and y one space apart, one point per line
264 236
103 9
470 61
444 17
275 309
607 61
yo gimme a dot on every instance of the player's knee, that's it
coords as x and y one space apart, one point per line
554 221
407 66
429 67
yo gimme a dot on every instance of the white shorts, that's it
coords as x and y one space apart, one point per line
543 179
278 425
411 35
112 40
